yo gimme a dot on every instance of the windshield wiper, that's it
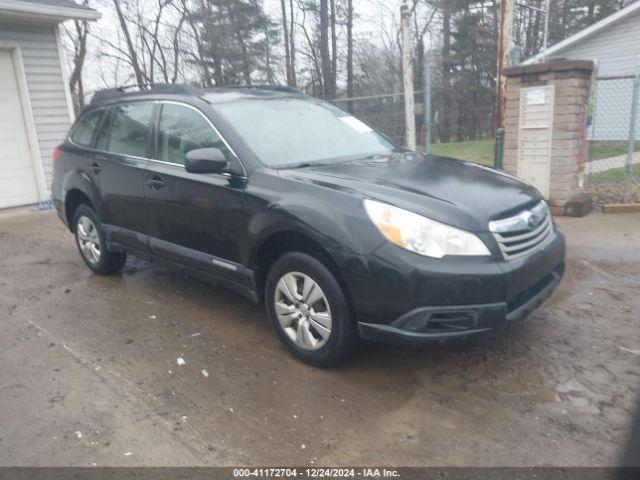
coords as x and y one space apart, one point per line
376 156
302 165
305 165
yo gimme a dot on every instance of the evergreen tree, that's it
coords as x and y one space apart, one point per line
238 41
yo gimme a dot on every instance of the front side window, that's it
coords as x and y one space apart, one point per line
182 129
86 127
291 131
127 130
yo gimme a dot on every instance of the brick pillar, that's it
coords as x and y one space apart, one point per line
572 81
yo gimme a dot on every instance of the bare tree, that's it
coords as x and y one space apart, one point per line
292 44
197 55
350 91
271 78
328 92
312 55
444 126
78 35
286 37
131 50
334 49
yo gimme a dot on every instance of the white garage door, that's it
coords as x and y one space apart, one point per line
17 180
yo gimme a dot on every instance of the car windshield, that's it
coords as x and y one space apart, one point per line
293 132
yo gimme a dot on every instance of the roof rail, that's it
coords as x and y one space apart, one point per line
274 88
129 90
279 88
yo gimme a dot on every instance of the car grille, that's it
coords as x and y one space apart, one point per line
523 233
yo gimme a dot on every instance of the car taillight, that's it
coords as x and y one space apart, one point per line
56 154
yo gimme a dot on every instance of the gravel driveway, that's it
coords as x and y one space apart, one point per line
90 374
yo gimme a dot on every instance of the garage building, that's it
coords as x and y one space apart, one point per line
614 44
35 103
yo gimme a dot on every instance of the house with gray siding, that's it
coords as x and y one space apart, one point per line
614 44
35 103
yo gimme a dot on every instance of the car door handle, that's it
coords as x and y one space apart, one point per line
95 168
155 183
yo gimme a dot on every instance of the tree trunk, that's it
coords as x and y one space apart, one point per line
244 54
334 50
292 45
445 104
133 56
285 36
350 92
176 48
246 69
418 82
270 79
76 84
324 48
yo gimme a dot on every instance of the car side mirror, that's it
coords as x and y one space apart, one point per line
205 160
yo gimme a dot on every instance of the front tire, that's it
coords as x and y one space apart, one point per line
92 245
310 311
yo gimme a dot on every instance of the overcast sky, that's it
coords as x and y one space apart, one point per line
372 16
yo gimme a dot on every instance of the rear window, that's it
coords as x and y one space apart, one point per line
127 129
86 127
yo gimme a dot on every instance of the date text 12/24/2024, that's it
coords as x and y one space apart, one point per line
316 472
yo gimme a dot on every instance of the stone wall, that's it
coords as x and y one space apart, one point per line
572 80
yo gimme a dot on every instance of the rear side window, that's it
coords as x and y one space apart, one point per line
127 129
86 127
182 129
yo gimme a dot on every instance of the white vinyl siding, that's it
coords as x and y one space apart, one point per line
45 83
616 48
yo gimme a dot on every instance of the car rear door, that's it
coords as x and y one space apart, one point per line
186 211
117 166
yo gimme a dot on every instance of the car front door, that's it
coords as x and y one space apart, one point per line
117 166
185 210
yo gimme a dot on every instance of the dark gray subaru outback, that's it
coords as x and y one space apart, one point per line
291 201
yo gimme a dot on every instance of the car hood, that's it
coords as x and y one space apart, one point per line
452 191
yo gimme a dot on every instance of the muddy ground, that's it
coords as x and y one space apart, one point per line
89 373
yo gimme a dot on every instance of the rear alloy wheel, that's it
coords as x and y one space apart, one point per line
309 310
88 240
92 245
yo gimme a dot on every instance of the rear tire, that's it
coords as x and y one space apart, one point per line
309 311
92 245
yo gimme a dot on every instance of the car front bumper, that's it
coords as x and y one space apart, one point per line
458 322
402 298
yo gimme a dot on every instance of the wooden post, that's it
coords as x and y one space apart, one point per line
504 58
407 76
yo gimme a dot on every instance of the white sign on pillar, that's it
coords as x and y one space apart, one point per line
535 136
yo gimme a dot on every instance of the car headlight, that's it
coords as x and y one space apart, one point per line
422 235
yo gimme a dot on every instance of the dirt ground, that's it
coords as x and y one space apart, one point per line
89 373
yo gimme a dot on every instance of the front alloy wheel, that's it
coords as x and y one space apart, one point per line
309 310
303 310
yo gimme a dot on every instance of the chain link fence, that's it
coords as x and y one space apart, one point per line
613 167
385 113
